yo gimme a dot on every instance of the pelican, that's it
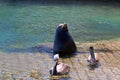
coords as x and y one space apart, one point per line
59 68
93 58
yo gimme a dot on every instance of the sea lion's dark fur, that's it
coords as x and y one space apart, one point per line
63 42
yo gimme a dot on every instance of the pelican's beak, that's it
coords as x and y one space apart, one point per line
51 71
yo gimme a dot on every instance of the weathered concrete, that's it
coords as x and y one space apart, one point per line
35 66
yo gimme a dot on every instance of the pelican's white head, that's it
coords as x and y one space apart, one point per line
56 57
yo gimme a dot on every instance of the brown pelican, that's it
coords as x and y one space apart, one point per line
93 58
59 68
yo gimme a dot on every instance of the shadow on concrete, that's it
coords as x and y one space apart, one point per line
47 48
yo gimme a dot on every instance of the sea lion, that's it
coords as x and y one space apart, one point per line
63 41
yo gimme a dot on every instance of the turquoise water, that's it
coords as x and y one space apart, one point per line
28 25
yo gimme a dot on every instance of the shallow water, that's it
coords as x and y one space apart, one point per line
28 25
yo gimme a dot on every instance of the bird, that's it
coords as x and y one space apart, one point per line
59 68
93 58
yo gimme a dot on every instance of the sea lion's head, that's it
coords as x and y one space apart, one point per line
63 27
